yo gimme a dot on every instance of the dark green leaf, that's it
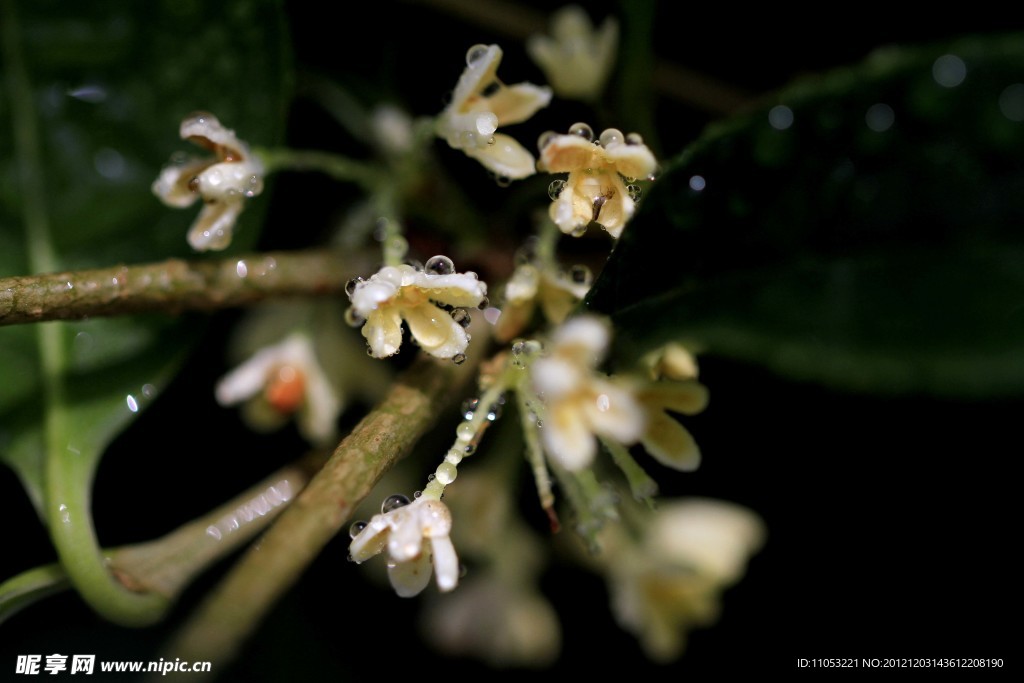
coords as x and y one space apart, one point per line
107 84
864 229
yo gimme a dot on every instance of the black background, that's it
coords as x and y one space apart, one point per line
891 520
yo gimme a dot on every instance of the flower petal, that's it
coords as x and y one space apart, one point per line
206 130
614 413
369 542
173 185
632 161
477 75
230 181
435 330
212 229
565 153
248 379
446 562
567 436
411 577
463 290
670 443
517 103
383 332
686 397
505 158
321 407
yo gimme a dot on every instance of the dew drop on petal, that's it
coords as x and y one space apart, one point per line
579 231
475 54
484 303
353 319
351 285
459 358
393 502
439 265
580 275
546 138
582 130
555 189
611 137
462 317
634 139
634 192
356 527
469 407
502 181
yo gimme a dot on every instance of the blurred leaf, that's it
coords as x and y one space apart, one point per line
864 229
109 83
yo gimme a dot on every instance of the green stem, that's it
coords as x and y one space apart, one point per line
367 176
641 485
233 611
22 590
68 473
173 286
167 565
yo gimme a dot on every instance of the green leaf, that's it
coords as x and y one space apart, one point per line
92 97
864 229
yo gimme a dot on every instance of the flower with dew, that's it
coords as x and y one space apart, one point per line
595 190
578 57
670 580
543 285
397 293
223 181
416 536
581 404
480 104
280 381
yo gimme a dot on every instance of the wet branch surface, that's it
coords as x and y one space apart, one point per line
175 285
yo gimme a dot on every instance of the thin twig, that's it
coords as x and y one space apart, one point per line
167 565
236 608
175 285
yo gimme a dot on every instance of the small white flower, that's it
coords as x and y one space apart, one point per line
415 535
581 403
223 181
672 580
595 190
504 622
398 293
556 292
578 58
480 104
664 438
284 380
